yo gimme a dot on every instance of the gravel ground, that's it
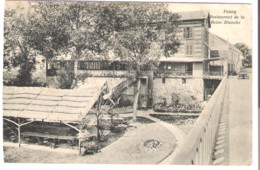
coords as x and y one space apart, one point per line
185 123
129 149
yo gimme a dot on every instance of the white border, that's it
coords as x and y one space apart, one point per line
254 166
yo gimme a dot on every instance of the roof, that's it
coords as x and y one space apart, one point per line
192 15
220 44
69 105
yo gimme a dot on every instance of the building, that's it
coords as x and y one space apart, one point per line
231 57
184 71
187 77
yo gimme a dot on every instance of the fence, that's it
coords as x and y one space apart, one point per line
199 145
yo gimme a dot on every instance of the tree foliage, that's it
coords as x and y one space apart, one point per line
18 45
247 60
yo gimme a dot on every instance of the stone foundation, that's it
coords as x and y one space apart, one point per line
178 90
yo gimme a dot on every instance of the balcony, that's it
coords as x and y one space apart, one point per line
213 75
170 73
104 73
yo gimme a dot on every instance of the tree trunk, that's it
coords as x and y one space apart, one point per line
136 97
19 136
79 146
75 68
98 132
19 133
74 82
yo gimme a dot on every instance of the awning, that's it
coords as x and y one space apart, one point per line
68 105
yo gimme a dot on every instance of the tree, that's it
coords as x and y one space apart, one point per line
142 33
72 30
247 60
18 45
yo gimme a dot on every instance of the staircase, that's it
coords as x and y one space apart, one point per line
116 92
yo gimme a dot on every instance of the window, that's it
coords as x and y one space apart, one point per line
89 65
169 67
183 81
189 49
188 67
163 80
54 65
187 32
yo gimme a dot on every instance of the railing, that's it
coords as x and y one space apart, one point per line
170 73
105 73
199 146
213 73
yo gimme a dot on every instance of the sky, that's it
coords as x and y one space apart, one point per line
234 33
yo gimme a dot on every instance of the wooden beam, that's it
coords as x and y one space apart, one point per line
19 133
23 124
11 121
71 126
111 101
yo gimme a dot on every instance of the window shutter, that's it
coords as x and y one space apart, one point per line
187 49
191 49
185 32
191 32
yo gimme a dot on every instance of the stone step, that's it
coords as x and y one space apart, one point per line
220 146
220 151
223 118
220 141
218 161
219 155
221 137
223 121
222 125
221 133
222 129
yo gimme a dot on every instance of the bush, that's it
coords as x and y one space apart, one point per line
39 76
10 75
66 78
180 108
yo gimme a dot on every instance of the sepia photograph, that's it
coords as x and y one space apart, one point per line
127 83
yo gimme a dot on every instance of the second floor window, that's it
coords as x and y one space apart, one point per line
187 32
189 49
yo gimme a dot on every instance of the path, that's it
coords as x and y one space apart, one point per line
126 150
177 132
240 121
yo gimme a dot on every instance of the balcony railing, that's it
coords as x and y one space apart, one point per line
170 73
213 74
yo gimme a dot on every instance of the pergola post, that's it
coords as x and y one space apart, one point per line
19 133
78 134
42 125
79 146
19 125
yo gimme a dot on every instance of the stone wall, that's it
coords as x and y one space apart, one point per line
186 91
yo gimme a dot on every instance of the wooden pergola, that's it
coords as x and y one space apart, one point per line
65 106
